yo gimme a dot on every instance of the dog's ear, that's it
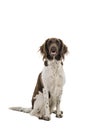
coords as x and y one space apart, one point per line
43 51
63 49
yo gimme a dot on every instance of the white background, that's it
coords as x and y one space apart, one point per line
24 26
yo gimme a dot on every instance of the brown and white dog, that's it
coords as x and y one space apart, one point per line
47 94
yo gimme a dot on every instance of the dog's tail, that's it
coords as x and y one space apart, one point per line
21 109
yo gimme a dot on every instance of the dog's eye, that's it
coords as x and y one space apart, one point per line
50 42
56 41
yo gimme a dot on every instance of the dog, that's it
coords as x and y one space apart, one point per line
48 91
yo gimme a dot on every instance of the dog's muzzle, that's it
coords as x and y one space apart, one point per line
53 50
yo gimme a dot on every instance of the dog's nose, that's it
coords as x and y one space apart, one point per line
53 49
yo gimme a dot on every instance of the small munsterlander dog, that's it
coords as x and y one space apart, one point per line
47 94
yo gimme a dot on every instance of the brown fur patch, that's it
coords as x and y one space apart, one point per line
39 87
46 63
43 51
63 49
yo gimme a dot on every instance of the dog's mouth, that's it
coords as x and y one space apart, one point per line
53 51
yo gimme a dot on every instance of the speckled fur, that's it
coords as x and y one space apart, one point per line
53 80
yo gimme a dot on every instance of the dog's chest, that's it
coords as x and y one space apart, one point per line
53 77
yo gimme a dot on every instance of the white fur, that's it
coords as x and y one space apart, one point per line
53 80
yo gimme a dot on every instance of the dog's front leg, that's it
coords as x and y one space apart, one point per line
46 104
59 113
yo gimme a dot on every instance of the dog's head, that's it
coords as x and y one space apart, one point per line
53 48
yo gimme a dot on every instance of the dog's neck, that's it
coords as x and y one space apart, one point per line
54 61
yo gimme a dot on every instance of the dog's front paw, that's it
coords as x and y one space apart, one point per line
59 114
46 118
